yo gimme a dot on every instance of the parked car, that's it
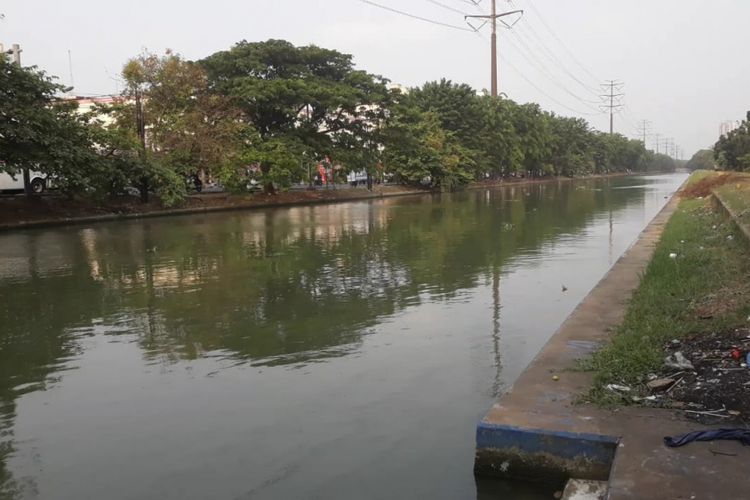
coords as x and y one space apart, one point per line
39 182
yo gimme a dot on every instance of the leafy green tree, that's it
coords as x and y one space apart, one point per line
174 123
419 151
532 129
39 131
660 162
500 142
571 146
732 151
702 160
458 109
302 98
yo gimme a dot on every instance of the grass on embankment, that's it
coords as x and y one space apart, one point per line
736 194
709 278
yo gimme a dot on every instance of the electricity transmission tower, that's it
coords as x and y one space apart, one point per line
643 129
667 144
657 142
493 18
614 86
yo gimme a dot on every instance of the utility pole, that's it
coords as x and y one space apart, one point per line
643 127
493 17
613 85
656 141
16 52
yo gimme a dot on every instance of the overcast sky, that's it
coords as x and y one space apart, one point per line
683 62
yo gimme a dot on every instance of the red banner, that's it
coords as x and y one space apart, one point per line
322 172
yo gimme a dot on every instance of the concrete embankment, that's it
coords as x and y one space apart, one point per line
58 214
20 213
741 219
538 431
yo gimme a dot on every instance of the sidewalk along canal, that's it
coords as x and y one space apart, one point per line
541 429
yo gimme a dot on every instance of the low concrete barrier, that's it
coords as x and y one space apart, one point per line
543 455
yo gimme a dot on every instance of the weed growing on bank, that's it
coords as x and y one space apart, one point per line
698 282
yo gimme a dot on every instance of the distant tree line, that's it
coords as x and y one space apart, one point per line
702 160
272 112
732 151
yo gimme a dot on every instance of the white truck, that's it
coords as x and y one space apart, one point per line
357 178
38 180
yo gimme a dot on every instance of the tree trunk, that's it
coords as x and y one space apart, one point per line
143 188
27 183
268 187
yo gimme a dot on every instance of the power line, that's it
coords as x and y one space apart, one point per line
493 17
530 82
414 16
537 40
562 44
546 51
545 70
448 7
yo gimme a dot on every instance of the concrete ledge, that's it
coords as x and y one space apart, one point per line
109 217
543 455
536 431
538 416
720 202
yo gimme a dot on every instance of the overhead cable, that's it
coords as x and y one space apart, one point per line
414 16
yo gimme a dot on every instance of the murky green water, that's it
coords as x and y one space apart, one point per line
335 352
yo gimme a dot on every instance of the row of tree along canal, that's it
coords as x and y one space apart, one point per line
269 111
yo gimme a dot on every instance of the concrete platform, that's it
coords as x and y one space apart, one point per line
581 489
536 432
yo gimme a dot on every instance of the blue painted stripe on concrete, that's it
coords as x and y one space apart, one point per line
566 445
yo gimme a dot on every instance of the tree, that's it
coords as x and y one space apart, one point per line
419 151
503 154
732 151
306 99
702 160
169 125
39 131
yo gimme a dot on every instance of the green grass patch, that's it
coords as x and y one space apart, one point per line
737 195
702 287
700 175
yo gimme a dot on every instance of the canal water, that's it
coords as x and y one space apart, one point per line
334 351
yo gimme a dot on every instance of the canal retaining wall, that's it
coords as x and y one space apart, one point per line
538 432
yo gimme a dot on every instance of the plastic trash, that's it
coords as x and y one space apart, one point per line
672 255
678 361
618 388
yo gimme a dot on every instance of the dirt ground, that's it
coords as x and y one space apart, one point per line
717 390
707 184
17 210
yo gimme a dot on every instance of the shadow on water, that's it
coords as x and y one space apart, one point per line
498 489
288 287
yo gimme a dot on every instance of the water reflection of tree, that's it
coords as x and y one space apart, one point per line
37 313
275 287
299 284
